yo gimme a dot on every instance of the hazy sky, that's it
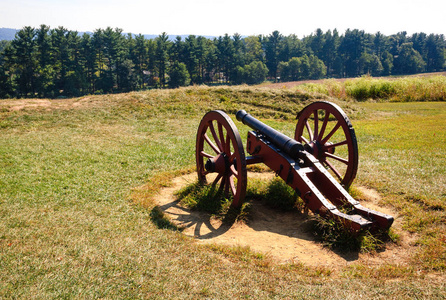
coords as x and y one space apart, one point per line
212 17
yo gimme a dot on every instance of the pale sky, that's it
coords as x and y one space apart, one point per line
215 18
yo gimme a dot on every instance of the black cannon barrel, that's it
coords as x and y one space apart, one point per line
290 146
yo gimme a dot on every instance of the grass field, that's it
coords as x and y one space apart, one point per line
78 182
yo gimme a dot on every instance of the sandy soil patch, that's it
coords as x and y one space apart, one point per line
282 235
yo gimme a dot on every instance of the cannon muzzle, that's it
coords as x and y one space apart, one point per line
290 146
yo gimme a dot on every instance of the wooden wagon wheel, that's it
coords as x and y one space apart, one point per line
328 134
219 150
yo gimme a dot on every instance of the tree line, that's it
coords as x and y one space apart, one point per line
47 62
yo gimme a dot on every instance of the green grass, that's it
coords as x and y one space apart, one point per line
77 185
406 161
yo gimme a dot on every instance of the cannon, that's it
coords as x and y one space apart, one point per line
319 163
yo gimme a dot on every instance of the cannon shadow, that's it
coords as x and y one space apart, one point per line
198 224
285 235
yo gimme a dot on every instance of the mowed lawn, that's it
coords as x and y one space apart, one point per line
75 222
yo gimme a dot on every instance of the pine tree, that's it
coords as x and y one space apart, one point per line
24 58
162 56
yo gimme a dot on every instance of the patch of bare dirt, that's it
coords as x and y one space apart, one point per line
46 104
282 235
15 105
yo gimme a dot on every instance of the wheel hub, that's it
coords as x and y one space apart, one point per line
318 150
219 164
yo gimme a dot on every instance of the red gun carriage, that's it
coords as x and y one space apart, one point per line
319 163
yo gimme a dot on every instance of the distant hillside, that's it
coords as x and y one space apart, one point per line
8 34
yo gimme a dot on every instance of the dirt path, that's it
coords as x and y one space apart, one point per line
282 235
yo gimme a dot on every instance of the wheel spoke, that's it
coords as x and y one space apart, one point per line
310 132
202 172
343 160
304 140
232 186
222 184
337 144
232 157
234 171
204 154
217 179
338 124
316 125
214 135
210 143
335 171
222 138
227 185
324 125
228 143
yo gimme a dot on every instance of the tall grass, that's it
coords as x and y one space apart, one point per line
404 89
